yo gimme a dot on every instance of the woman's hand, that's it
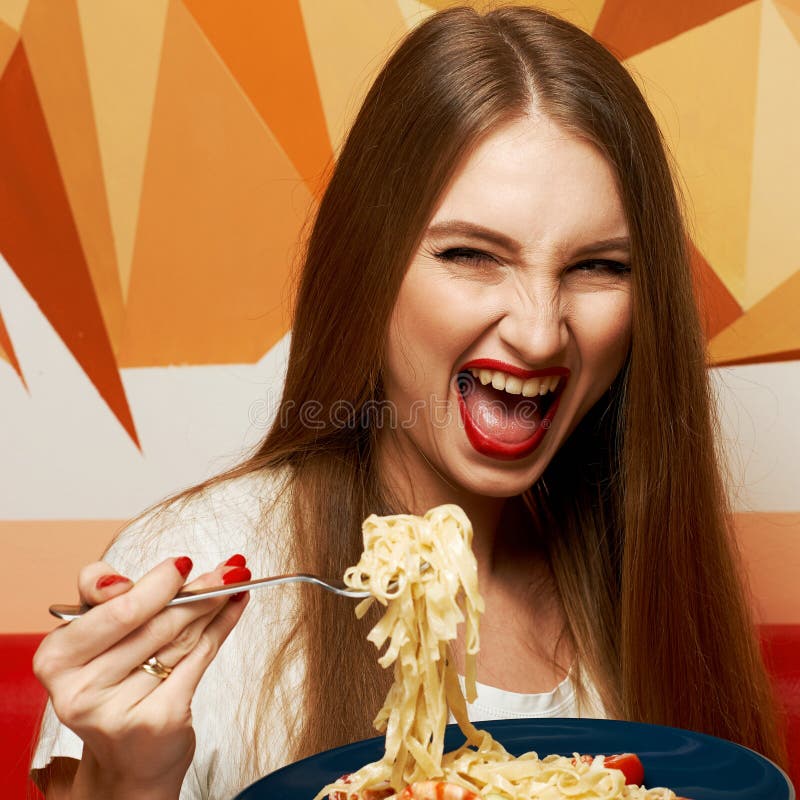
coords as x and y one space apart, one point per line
136 727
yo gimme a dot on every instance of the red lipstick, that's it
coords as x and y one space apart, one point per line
517 372
502 450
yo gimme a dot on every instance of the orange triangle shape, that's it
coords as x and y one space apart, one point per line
769 331
55 49
628 27
39 239
220 216
7 349
763 358
265 47
718 307
791 16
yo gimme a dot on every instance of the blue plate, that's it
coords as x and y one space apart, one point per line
692 764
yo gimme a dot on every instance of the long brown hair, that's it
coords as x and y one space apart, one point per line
642 552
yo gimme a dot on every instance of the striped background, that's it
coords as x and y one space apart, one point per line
157 160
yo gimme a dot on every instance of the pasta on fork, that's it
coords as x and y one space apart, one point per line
423 571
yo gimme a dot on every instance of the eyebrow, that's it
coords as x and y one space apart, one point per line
470 229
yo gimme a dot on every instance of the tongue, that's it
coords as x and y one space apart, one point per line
508 418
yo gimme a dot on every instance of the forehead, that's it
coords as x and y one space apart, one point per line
538 183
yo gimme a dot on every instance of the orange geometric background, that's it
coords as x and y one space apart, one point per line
157 162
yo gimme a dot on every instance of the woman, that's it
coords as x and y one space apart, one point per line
502 212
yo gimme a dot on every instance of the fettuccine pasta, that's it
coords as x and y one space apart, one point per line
423 571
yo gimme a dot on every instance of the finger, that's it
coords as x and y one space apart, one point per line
139 683
170 627
100 582
186 640
103 626
237 560
179 687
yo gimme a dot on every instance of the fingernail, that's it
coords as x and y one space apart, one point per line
235 598
236 561
236 575
110 580
183 565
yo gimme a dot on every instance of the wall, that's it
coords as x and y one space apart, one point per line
157 161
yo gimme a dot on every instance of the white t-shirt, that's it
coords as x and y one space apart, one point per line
226 519
492 703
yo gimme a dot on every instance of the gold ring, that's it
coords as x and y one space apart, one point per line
155 668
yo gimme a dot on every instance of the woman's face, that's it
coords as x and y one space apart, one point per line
514 315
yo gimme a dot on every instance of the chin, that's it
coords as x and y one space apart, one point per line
499 482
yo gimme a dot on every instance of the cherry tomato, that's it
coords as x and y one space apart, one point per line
629 765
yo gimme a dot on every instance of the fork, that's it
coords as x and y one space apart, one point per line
69 613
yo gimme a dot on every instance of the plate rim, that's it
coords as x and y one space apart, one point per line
544 721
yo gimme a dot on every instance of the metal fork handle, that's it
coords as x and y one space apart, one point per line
71 612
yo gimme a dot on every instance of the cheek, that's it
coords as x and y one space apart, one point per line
415 332
433 321
602 326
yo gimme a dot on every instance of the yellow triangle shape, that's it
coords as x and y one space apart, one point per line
583 13
774 232
440 5
8 41
346 64
414 12
12 12
701 86
54 46
123 50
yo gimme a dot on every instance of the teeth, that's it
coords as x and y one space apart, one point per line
531 387
513 385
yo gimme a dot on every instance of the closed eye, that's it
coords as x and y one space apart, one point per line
602 266
465 255
472 257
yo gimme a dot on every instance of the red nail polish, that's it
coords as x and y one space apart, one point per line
183 565
236 561
236 575
235 598
110 580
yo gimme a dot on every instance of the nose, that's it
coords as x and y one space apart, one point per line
534 326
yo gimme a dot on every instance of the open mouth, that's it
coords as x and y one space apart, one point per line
507 411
